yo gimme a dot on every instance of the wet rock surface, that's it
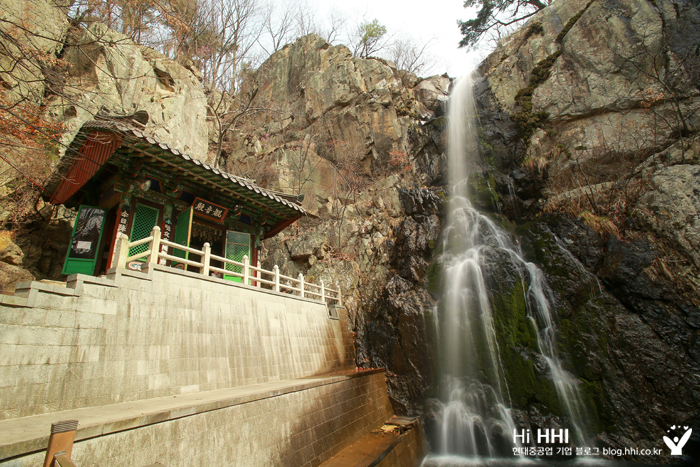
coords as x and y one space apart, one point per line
399 336
611 225
625 334
399 330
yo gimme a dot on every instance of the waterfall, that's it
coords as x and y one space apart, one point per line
476 419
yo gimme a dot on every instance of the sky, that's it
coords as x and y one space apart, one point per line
421 19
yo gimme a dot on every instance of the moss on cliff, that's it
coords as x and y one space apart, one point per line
582 340
570 24
439 123
482 190
527 121
517 344
581 328
541 246
488 153
435 277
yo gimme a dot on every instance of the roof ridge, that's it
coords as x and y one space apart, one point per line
128 129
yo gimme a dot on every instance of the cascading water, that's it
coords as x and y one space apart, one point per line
476 418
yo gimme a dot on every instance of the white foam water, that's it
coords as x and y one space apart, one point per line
476 421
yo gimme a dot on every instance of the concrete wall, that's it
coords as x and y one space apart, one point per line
409 452
293 429
135 336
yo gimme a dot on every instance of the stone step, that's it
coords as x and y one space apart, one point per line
398 443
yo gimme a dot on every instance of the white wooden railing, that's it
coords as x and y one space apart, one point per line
259 276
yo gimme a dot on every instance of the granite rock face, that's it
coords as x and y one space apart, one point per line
47 16
590 114
71 74
111 74
97 70
600 83
329 109
674 207
338 117
398 332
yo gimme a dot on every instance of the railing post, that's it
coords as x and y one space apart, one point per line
61 443
258 274
301 285
121 251
207 258
163 249
340 299
246 270
323 292
276 269
154 245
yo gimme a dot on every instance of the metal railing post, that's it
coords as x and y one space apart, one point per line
301 285
154 245
259 275
276 269
206 259
340 299
323 292
246 270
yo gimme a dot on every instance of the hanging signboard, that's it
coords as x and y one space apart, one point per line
209 210
167 231
123 220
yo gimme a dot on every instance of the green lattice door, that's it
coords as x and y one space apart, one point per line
237 246
145 219
85 241
183 232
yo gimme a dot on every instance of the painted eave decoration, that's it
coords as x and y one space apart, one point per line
101 141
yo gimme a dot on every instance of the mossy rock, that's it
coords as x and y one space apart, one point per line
482 190
486 149
439 123
540 246
435 273
580 313
516 335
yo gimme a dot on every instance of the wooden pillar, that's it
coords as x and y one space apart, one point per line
255 258
120 226
167 231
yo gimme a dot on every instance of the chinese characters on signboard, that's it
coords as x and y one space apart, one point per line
123 221
167 230
209 210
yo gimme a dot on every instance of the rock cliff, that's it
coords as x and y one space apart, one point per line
84 71
589 136
69 74
584 144
589 156
323 109
358 139
107 72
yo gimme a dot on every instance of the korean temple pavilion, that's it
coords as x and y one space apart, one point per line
122 180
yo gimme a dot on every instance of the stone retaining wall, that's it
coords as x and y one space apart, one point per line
134 336
292 429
